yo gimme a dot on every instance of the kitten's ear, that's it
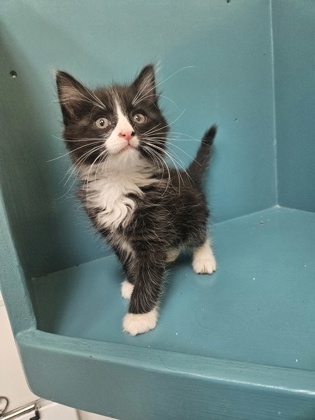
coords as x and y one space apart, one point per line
145 83
70 93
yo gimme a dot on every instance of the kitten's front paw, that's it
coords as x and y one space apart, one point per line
203 260
205 266
140 323
126 289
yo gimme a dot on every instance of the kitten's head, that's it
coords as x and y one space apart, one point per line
121 124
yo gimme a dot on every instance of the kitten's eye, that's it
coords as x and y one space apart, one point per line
139 118
102 122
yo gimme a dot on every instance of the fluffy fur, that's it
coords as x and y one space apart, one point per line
145 210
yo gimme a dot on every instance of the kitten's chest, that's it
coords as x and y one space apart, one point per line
109 199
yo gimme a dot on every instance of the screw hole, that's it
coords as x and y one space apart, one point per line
228 1
13 74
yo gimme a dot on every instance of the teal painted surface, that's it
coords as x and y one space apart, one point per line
230 83
12 281
238 344
294 32
161 384
249 310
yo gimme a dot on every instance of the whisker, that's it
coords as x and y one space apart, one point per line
102 105
160 160
139 99
98 103
103 154
180 163
152 129
187 135
159 141
175 162
88 176
79 163
155 129
69 152
174 74
79 139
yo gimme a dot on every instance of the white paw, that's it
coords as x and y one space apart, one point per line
140 323
126 289
204 266
203 260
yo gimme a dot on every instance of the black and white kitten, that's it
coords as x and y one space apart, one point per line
145 210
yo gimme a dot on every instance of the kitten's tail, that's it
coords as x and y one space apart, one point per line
199 165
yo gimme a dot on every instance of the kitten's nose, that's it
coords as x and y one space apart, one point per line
127 135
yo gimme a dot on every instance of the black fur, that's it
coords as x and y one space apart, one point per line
197 168
168 214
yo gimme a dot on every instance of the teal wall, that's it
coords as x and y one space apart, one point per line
222 55
294 37
247 65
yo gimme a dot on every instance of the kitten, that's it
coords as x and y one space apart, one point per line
145 210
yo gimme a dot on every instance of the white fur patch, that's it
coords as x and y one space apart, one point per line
108 192
126 289
124 172
110 195
140 323
203 259
116 144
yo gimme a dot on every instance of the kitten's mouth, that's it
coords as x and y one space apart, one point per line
125 149
128 146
